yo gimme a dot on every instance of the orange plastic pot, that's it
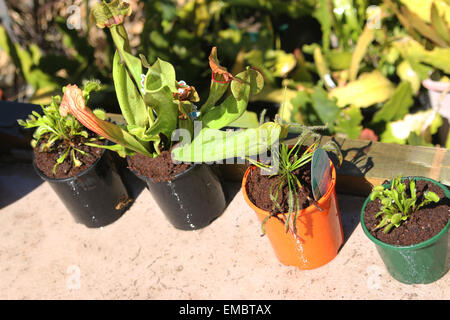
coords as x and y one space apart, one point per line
319 234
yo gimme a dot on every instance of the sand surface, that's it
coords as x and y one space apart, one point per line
44 254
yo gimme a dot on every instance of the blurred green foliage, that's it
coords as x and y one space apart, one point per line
351 64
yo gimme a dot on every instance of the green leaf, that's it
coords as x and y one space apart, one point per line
406 73
349 122
162 102
160 74
431 196
374 195
133 64
415 53
397 106
439 24
76 162
325 107
362 45
283 62
251 78
121 150
61 160
247 120
396 219
369 89
324 16
213 145
339 59
216 91
107 14
131 103
321 66
423 28
234 105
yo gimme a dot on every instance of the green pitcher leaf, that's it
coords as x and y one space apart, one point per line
216 91
133 64
130 100
213 145
167 111
251 78
245 83
160 74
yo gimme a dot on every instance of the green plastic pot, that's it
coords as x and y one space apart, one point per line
424 262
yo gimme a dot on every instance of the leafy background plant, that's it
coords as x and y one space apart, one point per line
321 56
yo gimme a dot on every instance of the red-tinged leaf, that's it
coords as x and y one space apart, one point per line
74 103
110 14
218 72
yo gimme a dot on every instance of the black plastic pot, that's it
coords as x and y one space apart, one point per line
192 200
96 196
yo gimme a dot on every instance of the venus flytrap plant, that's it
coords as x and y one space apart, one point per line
154 105
56 130
396 205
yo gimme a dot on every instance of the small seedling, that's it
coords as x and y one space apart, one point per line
397 206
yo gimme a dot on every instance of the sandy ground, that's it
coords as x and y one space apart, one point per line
44 254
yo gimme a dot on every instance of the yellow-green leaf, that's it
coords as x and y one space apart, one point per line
360 51
406 73
415 52
368 89
439 25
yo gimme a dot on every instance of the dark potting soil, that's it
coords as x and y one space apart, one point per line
258 190
159 169
45 161
421 226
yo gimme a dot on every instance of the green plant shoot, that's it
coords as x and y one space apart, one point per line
396 205
154 104
290 160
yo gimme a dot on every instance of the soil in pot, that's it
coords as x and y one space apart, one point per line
159 169
45 161
258 188
94 192
421 226
259 185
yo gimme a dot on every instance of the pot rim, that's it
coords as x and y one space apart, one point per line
419 245
307 210
78 175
